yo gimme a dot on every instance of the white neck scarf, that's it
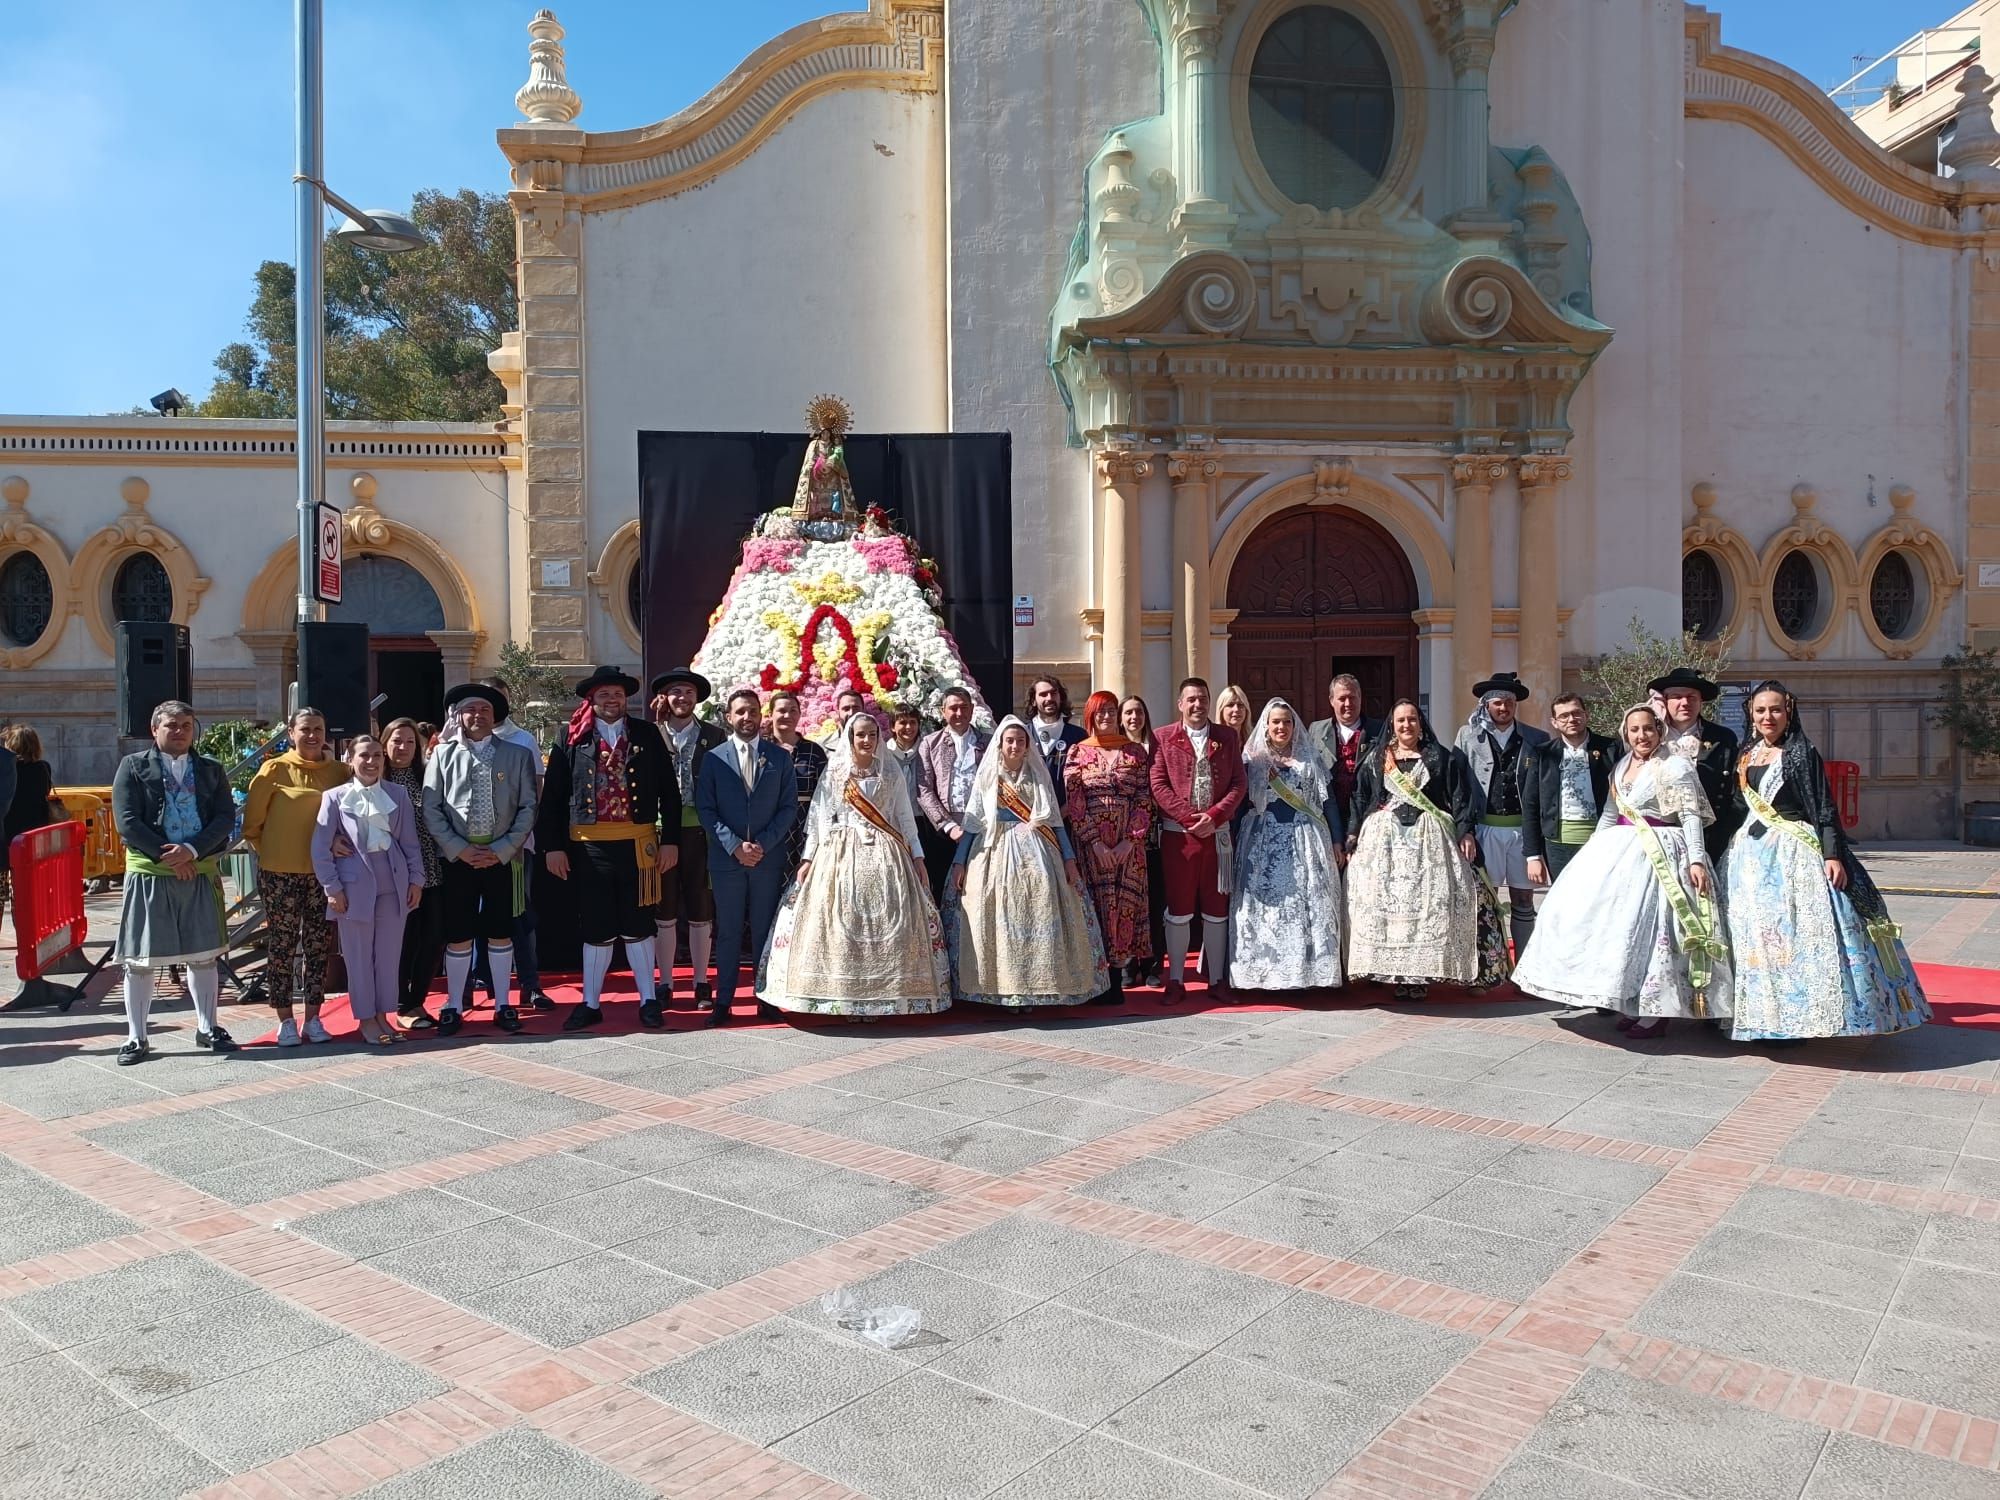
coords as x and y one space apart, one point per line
371 808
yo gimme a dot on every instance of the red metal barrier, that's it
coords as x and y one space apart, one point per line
1844 776
47 869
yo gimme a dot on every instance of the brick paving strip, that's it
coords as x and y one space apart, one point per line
1450 1443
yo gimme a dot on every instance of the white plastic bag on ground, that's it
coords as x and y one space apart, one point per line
891 1326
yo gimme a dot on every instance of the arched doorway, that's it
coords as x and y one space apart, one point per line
399 607
1319 591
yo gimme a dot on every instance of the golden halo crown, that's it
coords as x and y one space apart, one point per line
829 414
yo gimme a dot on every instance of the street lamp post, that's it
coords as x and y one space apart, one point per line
376 230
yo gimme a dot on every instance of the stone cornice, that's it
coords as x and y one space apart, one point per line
1723 83
225 442
893 44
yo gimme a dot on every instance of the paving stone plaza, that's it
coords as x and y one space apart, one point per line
1433 1251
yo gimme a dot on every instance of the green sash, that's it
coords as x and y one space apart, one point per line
1295 799
1501 820
138 864
1695 920
519 867
1576 831
1882 932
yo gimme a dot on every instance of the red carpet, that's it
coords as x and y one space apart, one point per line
621 1008
1958 996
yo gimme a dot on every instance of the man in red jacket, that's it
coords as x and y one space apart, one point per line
1198 784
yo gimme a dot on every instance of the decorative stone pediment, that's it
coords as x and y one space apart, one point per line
1450 302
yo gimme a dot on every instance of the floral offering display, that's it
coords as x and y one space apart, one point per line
818 605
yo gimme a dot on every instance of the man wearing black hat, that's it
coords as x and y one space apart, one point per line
1711 746
608 793
1493 742
479 804
685 894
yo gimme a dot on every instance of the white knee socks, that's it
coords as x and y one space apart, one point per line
458 969
639 954
596 960
700 936
1215 949
138 999
1178 931
663 934
205 988
501 959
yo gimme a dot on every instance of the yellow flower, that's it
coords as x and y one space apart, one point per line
828 588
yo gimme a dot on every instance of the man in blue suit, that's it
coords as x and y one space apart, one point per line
748 798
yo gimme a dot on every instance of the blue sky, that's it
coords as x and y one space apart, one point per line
146 150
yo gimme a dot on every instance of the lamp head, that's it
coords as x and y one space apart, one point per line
384 231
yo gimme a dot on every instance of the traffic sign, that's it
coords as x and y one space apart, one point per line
326 572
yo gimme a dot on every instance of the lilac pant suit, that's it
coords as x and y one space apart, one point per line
377 883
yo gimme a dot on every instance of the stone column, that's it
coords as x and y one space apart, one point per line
1122 474
1541 576
460 651
1464 29
1472 477
1202 221
1193 476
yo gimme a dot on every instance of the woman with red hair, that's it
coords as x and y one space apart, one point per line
1108 804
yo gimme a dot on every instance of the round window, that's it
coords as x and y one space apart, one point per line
142 590
1795 596
1322 107
1702 606
1892 595
27 599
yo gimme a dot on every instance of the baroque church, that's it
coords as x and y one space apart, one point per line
1412 338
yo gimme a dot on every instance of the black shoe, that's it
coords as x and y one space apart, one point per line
539 1001
133 1052
651 1016
507 1018
663 994
450 1022
217 1040
581 1017
718 1015
769 1012
704 994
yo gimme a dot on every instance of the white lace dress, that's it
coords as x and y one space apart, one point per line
1285 910
1606 935
1412 900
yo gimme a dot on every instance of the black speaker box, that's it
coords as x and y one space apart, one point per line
333 675
154 665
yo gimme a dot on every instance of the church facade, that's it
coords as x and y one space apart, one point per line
1416 338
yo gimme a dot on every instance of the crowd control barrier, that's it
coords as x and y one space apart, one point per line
46 865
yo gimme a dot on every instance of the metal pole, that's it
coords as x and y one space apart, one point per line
309 295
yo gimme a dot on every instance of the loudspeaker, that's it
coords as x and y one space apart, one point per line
154 665
333 675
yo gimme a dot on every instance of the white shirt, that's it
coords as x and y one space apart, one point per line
1199 739
746 761
177 767
1345 732
1048 732
1576 789
611 731
1502 737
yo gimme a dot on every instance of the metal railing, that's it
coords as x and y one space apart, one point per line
1934 53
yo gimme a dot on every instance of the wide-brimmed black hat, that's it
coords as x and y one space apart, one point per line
1684 677
1500 682
465 690
607 677
680 674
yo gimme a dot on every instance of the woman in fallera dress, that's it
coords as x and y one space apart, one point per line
1108 804
1636 931
1285 906
1137 721
1816 952
1020 930
1413 894
857 934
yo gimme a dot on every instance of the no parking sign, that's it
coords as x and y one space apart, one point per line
326 575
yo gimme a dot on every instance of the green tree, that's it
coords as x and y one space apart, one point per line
406 335
1618 679
539 693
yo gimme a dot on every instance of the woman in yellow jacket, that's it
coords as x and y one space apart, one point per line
279 818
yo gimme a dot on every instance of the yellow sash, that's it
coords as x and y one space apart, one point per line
1011 800
855 798
644 836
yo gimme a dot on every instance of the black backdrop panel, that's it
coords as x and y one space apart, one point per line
700 492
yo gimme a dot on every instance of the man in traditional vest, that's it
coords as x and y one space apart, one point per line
479 804
1684 692
1198 784
174 816
685 895
947 760
607 797
1493 742
1563 783
1342 739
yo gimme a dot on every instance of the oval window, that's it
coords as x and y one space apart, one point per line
1892 595
27 599
1322 107
142 590
1795 596
1701 595
635 606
